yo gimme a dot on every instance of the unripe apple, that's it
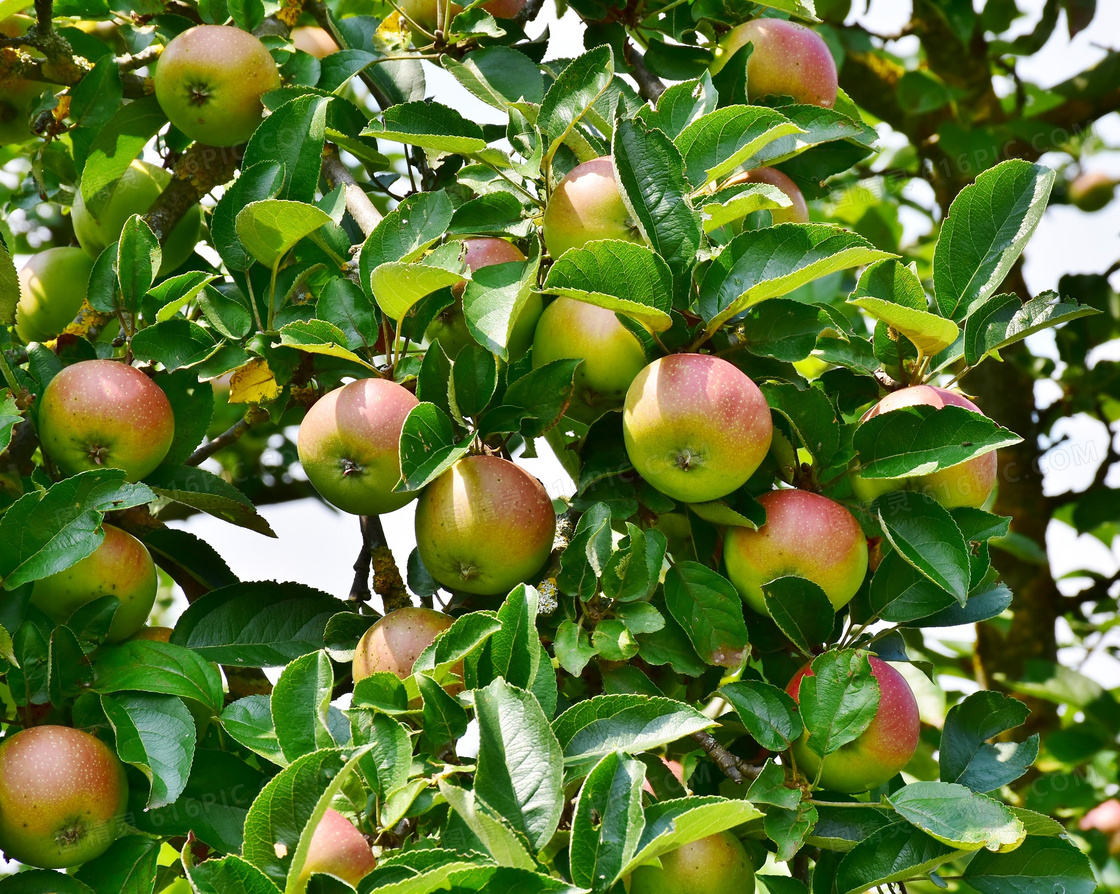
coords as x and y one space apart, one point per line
102 413
393 644
787 59
806 535
880 751
797 212
210 80
695 426
612 355
966 484
429 14
339 849
63 796
121 566
52 286
349 445
1092 190
586 205
484 526
134 193
718 864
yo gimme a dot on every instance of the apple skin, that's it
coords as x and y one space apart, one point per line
53 284
718 864
695 426
349 445
314 40
787 59
612 355
586 205
393 644
805 535
121 566
880 751
965 484
103 413
1092 191
63 796
484 526
798 212
339 849
153 634
427 13
134 193
1105 818
209 82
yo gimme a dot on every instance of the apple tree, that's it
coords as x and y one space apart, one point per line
717 661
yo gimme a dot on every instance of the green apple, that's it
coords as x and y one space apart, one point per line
718 864
430 14
695 426
337 848
63 796
966 484
1092 191
103 413
393 644
121 566
797 212
349 445
880 751
484 526
53 285
805 535
210 80
612 355
586 205
134 193
787 59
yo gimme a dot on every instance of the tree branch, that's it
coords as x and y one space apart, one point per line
387 580
649 85
230 436
200 169
359 590
365 214
734 768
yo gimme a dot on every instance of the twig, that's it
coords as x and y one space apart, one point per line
387 580
229 436
359 590
649 85
200 169
364 212
734 768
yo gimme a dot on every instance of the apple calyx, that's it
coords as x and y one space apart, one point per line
688 459
349 467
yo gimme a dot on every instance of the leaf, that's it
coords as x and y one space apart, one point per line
138 259
249 721
965 755
623 277
505 846
672 824
292 135
229 875
1005 319
148 666
320 337
256 183
513 652
43 881
207 492
607 821
900 593
719 142
573 647
115 146
958 817
156 734
127 867
9 288
634 569
428 447
894 853
431 126
495 299
1037 866
985 232
801 610
769 714
838 700
925 535
739 200
175 343
386 765
572 95
708 608
445 720
397 286
270 228
498 75
929 332
811 417
300 701
403 234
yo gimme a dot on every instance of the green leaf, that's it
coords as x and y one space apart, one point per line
929 332
344 305
789 827
257 183
1037 866
624 277
498 75
985 232
386 765
716 144
709 609
769 714
965 755
270 228
127 867
586 557
445 720
513 652
292 135
956 816
519 761
634 569
801 610
229 875
811 416
838 700
894 853
175 343
428 447
205 491
397 286
431 126
672 824
607 821
148 666
114 148
900 593
320 337
9 287
300 701
156 734
249 721
925 535
496 297
573 647
572 95
816 126
1004 319
736 202
506 846
403 234
43 881
138 259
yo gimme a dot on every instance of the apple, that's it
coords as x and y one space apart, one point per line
314 40
787 59
612 355
718 864
1105 818
134 193
337 848
484 526
880 751
153 634
63 796
798 212
431 14
121 566
450 326
1092 190
210 80
52 287
349 445
695 426
586 205
805 535
393 644
103 413
966 484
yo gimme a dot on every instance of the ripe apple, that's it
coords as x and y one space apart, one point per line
586 205
349 445
484 526
100 413
52 286
965 484
314 40
695 426
209 82
718 864
393 644
880 751
612 355
798 212
134 193
429 14
1092 190
337 848
63 795
787 60
121 566
1105 818
450 327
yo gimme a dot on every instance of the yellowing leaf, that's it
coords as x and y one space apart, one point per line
253 383
929 332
